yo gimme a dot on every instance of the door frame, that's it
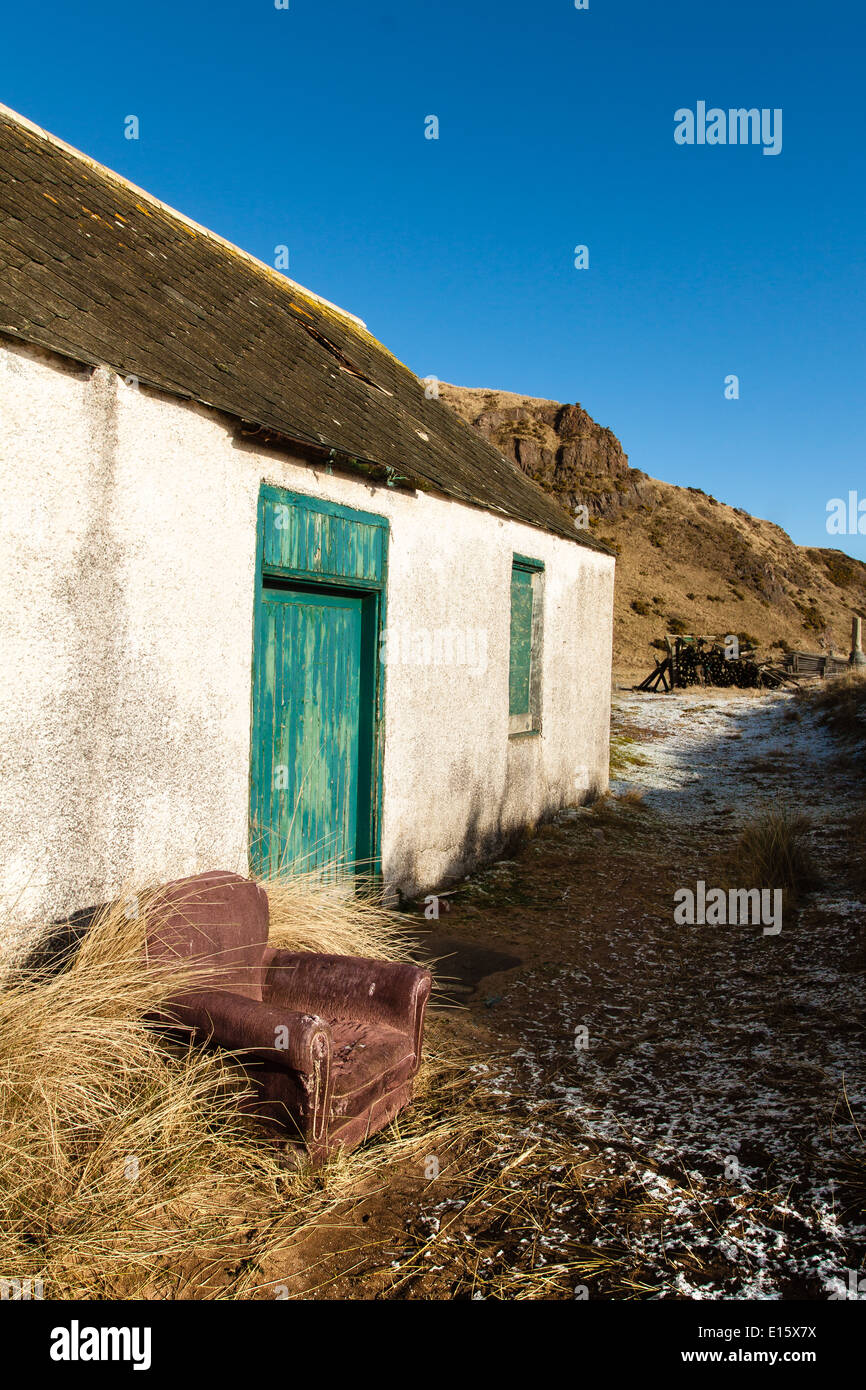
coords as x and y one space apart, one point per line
362 570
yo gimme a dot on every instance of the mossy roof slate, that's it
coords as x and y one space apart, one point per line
96 269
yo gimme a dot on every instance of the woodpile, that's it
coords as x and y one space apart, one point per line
710 660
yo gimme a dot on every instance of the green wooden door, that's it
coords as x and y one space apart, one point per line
309 731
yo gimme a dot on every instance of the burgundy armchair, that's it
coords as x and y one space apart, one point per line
331 1043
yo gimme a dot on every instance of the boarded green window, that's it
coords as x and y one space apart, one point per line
524 670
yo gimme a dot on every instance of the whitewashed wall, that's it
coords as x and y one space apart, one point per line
127 563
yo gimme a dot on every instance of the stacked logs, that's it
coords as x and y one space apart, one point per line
707 661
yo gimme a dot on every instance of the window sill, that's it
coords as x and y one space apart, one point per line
525 733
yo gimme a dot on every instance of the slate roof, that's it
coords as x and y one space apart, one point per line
96 269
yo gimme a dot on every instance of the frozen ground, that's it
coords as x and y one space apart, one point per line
709 1074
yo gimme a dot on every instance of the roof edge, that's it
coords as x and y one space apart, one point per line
557 525
364 471
197 227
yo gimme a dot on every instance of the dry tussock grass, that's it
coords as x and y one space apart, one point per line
840 701
342 916
128 1168
772 851
115 1149
632 798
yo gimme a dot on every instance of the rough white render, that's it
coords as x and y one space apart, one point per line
127 572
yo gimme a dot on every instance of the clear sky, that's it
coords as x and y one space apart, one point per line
305 127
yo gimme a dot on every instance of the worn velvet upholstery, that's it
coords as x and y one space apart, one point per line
218 923
331 1043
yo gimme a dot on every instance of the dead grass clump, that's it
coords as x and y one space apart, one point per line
616 808
605 811
342 916
772 851
119 1154
128 1168
840 702
632 799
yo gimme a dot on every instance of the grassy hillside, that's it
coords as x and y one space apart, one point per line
685 562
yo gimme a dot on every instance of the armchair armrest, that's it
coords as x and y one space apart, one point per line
282 1037
371 991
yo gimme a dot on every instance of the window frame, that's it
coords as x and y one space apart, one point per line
527 723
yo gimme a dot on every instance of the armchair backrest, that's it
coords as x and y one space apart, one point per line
218 922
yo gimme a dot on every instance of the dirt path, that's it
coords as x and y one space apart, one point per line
656 1110
696 1075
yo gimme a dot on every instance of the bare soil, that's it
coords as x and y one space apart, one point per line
668 1111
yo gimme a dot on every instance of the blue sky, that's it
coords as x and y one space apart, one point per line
305 127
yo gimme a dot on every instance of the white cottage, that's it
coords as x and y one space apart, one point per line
265 600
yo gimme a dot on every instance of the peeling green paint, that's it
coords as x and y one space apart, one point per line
302 540
520 660
317 686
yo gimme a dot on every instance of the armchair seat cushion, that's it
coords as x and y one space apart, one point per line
367 1060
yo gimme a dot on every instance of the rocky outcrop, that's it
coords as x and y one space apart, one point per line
560 446
686 562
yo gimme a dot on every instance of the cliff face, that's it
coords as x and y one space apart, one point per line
560 446
685 562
